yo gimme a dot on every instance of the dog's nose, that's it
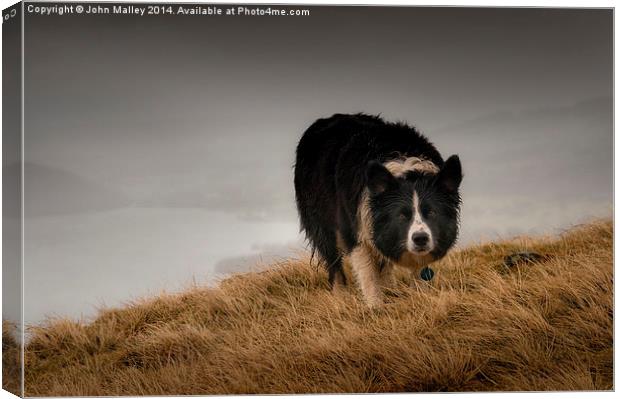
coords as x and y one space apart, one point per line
420 239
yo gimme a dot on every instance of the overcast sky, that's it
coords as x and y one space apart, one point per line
161 148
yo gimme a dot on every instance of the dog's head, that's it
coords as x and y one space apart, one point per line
414 213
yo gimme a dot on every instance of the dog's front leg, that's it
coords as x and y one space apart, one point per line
367 275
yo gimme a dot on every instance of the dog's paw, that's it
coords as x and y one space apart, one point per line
375 302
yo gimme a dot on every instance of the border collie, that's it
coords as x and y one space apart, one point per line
377 195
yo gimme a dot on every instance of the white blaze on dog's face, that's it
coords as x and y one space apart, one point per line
420 237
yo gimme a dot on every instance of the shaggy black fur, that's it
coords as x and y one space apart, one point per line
339 157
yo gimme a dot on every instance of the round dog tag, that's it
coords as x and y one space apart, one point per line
427 274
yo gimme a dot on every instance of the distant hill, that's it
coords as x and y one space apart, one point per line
479 326
52 191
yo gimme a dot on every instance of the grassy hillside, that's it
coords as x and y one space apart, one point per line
480 326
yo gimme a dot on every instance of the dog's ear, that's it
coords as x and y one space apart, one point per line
450 176
379 178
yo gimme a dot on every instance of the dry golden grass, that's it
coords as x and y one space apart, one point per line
11 358
479 327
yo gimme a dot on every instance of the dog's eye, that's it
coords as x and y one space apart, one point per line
430 213
405 214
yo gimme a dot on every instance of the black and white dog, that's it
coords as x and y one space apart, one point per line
377 193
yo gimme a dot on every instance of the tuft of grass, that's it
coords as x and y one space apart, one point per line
479 326
11 359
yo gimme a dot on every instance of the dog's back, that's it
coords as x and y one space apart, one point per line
330 176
